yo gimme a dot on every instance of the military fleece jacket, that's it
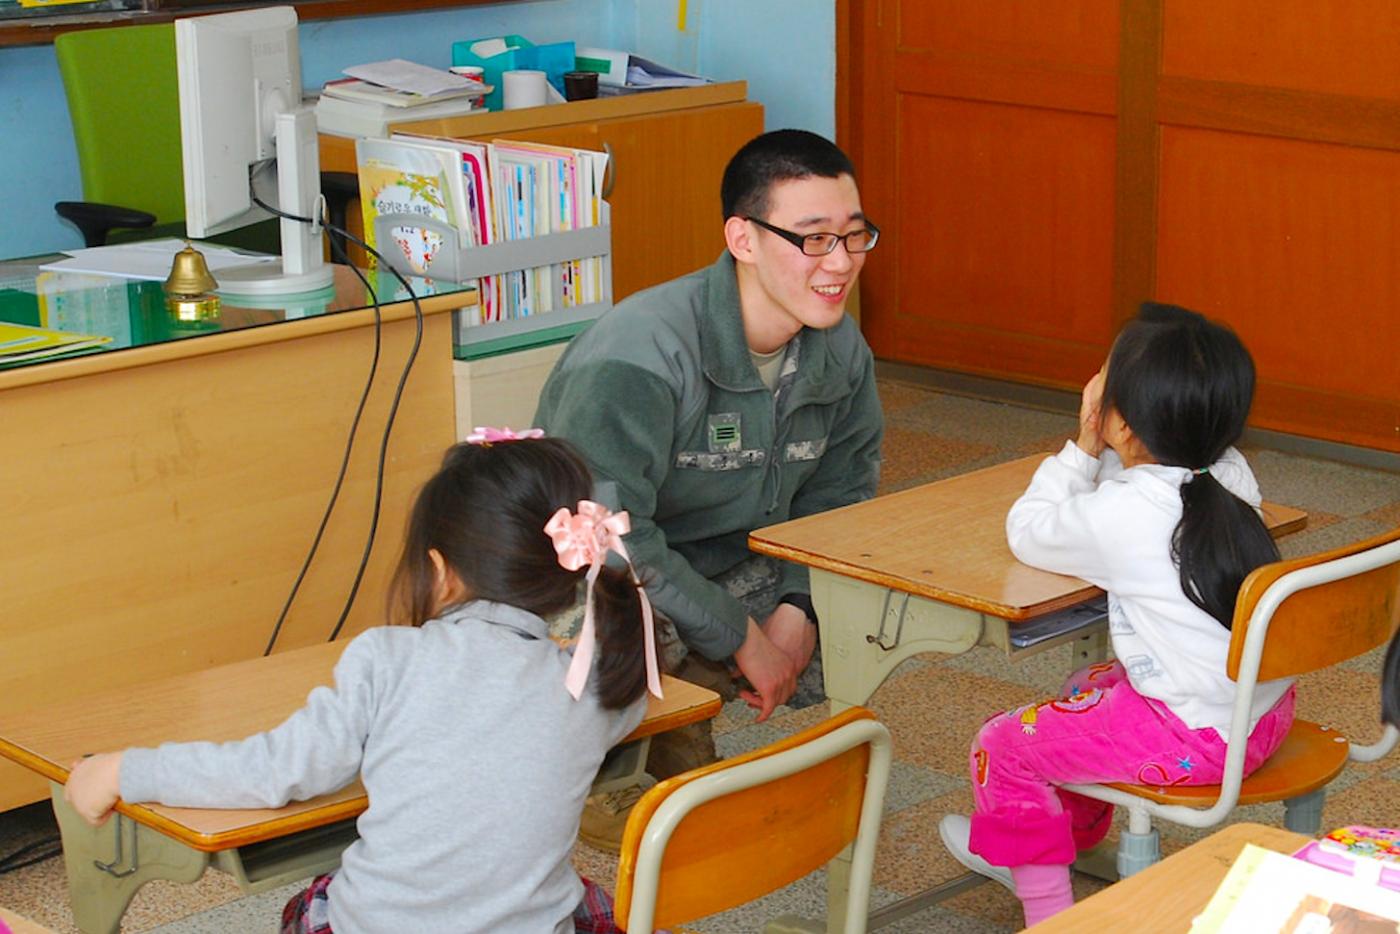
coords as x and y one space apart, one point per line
663 398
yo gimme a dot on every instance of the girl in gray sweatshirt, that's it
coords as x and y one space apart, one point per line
475 754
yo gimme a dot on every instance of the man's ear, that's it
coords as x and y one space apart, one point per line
737 238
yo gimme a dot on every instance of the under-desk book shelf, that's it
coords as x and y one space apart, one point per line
457 262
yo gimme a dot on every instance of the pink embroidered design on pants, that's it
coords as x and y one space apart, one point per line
1107 733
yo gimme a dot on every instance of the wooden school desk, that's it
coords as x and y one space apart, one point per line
928 570
261 849
1167 895
160 494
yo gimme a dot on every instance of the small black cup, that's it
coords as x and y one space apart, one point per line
580 85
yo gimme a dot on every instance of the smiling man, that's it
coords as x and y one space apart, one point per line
733 398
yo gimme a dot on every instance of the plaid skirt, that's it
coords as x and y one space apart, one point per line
307 911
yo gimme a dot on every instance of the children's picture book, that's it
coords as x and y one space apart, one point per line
1371 854
21 342
488 194
1267 892
407 179
478 227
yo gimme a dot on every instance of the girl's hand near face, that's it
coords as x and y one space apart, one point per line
94 784
1090 411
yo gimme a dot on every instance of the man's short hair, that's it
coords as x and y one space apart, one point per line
778 156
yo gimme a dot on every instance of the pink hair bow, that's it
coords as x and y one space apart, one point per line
482 435
582 540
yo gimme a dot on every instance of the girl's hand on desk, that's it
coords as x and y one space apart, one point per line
94 785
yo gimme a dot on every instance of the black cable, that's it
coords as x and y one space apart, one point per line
49 847
345 459
389 421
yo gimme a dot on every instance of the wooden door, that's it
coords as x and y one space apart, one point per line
1042 168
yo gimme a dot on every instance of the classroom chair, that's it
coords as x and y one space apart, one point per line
123 100
1291 617
724 834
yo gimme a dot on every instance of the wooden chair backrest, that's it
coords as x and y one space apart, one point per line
1325 624
745 844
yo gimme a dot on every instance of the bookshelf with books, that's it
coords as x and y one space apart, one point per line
667 153
527 222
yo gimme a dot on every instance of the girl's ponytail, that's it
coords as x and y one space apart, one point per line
619 663
1218 541
1184 385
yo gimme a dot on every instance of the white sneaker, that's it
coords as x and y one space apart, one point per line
954 830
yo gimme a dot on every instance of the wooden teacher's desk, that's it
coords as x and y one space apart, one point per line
161 494
1167 895
260 848
928 570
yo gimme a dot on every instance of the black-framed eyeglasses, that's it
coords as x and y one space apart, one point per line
820 244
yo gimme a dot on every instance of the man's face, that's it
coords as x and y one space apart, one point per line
794 289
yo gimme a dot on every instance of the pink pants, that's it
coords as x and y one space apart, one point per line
1099 730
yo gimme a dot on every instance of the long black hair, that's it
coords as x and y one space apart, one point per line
1184 385
485 511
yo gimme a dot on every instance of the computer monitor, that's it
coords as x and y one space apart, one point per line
241 114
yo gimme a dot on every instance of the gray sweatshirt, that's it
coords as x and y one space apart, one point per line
475 758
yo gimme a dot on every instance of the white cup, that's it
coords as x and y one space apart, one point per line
470 72
522 88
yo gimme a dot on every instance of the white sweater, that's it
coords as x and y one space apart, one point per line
1093 519
476 760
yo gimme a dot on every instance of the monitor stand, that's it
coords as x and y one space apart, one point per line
301 268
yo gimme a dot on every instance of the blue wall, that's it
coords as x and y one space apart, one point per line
785 49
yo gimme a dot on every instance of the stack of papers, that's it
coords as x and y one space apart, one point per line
401 83
622 72
396 90
150 259
20 342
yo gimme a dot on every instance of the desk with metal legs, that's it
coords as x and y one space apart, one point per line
928 570
261 849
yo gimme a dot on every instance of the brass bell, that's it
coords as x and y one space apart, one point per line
189 287
189 274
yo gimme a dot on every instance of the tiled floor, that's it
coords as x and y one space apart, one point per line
932 705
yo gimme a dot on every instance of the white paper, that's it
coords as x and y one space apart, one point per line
644 73
150 259
485 48
616 73
403 75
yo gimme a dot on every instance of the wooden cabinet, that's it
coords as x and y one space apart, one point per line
669 149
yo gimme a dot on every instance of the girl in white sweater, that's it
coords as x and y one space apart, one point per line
1152 503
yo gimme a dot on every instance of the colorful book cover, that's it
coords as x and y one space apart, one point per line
402 178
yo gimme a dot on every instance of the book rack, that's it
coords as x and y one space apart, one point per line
456 262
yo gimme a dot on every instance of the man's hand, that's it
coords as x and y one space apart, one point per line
94 784
770 670
790 630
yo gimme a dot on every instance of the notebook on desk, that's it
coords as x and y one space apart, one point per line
1071 619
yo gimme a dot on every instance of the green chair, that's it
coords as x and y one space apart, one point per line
123 100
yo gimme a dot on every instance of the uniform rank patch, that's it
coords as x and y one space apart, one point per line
723 435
